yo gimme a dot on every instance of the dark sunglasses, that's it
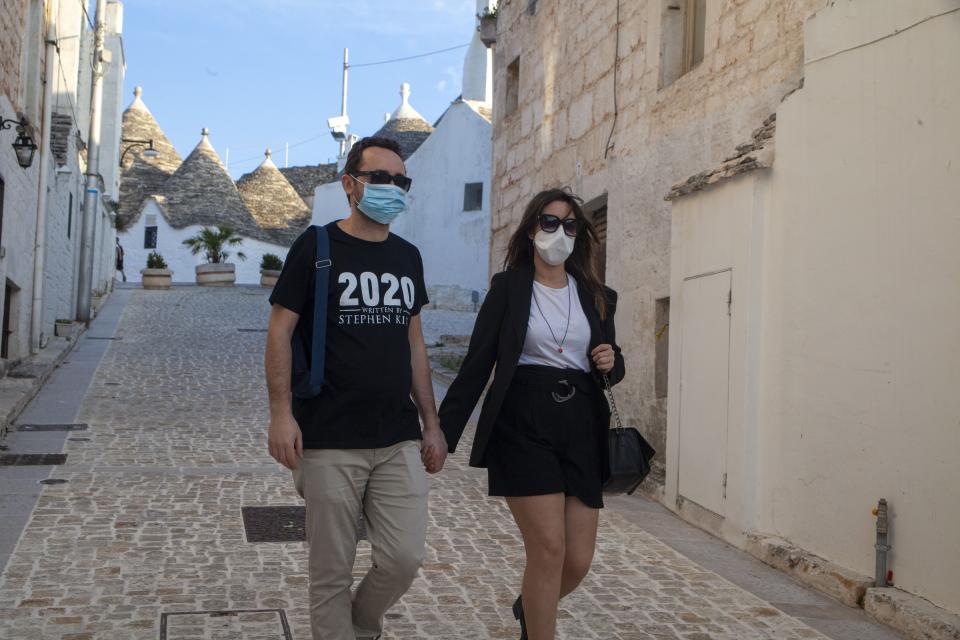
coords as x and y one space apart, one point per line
551 223
383 177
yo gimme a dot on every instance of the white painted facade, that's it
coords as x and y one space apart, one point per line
178 257
70 97
454 242
832 381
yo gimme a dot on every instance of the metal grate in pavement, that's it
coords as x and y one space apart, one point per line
236 623
245 330
54 481
280 524
79 426
31 459
104 338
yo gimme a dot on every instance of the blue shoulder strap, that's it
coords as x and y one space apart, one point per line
320 292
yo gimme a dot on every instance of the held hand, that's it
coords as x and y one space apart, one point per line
285 441
433 450
603 357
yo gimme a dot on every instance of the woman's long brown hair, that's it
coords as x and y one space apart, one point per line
582 263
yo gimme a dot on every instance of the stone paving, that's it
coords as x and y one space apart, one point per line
149 521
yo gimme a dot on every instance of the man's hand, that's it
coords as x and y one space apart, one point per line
285 441
604 357
433 449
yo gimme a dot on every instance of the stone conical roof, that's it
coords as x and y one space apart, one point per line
272 200
406 126
201 192
140 176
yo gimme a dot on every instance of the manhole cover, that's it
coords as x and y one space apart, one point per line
79 439
31 459
54 481
81 426
238 623
279 524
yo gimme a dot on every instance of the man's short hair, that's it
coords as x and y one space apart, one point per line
356 152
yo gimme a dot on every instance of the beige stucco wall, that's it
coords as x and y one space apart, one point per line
845 338
559 134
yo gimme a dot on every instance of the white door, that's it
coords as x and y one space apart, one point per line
704 375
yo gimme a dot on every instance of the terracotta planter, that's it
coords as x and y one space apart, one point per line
268 277
156 278
488 30
216 275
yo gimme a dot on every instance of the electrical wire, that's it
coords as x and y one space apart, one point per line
83 5
616 66
293 146
419 55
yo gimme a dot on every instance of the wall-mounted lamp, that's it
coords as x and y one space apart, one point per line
23 146
149 152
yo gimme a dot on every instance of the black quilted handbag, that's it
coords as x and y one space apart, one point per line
630 454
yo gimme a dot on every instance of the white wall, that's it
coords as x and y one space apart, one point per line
19 233
178 257
329 203
845 340
454 243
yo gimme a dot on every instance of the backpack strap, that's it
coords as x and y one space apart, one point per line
320 293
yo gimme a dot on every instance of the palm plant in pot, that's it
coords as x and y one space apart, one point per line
270 268
157 275
213 243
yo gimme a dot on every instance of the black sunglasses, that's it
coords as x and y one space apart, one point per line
550 223
383 177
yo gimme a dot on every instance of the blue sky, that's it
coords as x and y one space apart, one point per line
260 73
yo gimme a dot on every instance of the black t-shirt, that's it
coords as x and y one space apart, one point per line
375 289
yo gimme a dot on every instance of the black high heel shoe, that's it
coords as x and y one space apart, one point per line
518 614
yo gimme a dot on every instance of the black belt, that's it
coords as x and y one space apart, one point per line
563 384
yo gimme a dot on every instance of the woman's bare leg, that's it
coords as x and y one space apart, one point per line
542 524
580 536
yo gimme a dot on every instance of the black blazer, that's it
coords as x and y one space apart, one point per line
498 337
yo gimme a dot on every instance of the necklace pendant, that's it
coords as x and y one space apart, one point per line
560 349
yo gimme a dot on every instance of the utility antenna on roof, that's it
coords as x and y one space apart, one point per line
338 124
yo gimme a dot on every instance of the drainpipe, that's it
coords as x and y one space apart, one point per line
881 546
40 244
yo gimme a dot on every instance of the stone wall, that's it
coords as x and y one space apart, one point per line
558 134
11 38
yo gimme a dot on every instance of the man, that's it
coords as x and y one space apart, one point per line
358 446
119 259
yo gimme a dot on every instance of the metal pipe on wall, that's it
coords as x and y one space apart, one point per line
40 239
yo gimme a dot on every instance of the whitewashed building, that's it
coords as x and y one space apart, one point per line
165 201
448 217
41 286
815 317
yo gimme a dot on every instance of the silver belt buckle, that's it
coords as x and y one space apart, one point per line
559 399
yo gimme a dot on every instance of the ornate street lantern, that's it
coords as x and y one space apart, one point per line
23 146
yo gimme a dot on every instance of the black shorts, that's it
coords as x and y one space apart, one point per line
543 444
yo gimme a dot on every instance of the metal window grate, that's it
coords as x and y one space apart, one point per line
32 459
236 623
280 524
82 426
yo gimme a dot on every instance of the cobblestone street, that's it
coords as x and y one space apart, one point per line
149 519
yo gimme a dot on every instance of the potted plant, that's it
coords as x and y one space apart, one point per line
63 328
270 267
214 244
156 275
488 26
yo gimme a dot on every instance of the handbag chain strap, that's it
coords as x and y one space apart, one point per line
613 401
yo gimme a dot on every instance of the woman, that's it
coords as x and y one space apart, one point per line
547 325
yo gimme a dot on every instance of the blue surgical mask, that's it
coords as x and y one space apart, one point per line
382 202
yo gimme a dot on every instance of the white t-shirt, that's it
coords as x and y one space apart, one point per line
540 346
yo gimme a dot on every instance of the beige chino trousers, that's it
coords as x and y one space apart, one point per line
390 486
